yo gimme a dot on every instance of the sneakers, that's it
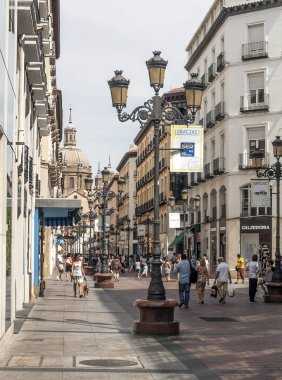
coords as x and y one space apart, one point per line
80 296
222 301
181 303
186 306
58 278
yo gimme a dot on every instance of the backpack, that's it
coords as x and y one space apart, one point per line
193 274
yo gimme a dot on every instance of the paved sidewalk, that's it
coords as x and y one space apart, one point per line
91 338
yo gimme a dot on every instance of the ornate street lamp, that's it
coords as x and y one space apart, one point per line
154 112
273 172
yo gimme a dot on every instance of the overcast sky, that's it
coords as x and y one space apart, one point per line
98 37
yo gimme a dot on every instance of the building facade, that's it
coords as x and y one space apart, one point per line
29 108
241 111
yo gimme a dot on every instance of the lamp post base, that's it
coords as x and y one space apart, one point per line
274 292
103 280
156 318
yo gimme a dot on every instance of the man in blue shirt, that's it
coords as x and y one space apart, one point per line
183 269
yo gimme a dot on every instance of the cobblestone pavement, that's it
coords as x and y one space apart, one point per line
91 338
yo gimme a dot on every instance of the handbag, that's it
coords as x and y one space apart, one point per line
193 274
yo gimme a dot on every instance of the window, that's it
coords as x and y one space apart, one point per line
255 33
246 209
256 139
71 182
256 88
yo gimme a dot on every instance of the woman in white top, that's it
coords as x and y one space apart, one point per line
77 274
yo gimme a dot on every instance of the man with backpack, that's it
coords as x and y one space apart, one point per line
183 270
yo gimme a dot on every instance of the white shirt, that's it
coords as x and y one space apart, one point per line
223 270
253 267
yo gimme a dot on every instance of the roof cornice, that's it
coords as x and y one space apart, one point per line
224 14
125 158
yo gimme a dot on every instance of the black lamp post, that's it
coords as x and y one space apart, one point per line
273 172
104 196
156 111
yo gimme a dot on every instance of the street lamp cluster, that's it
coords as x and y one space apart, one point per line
273 172
103 196
156 112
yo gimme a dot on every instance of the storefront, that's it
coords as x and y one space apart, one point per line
255 236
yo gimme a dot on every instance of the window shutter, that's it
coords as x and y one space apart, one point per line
256 33
256 81
256 133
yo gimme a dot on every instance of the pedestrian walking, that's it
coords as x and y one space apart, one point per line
183 269
77 275
221 279
137 266
240 268
203 279
173 261
253 269
116 267
68 266
207 262
167 269
144 271
60 265
131 263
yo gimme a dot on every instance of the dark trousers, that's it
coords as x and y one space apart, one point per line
252 288
184 293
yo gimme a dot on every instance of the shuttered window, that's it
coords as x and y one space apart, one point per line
255 33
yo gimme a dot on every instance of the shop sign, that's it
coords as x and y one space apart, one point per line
255 225
260 193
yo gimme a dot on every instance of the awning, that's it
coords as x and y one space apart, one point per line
178 239
59 211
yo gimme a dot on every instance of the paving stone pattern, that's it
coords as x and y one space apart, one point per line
91 338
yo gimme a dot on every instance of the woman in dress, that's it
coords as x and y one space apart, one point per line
167 269
77 275
203 278
267 276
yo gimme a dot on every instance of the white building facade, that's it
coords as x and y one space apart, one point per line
29 110
237 54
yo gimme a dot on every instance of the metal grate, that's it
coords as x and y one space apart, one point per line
32 340
218 319
108 363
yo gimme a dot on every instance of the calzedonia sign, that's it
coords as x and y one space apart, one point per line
255 225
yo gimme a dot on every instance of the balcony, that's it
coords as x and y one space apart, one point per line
28 16
218 166
194 179
203 122
220 64
41 107
254 50
200 177
208 170
256 101
219 111
35 73
245 161
211 72
204 79
38 92
210 119
43 8
31 45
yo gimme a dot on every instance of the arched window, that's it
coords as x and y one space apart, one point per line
71 182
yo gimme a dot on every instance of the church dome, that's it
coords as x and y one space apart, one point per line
71 154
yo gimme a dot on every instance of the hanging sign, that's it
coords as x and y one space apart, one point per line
260 193
174 220
188 142
140 230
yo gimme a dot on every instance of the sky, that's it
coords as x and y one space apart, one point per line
98 37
